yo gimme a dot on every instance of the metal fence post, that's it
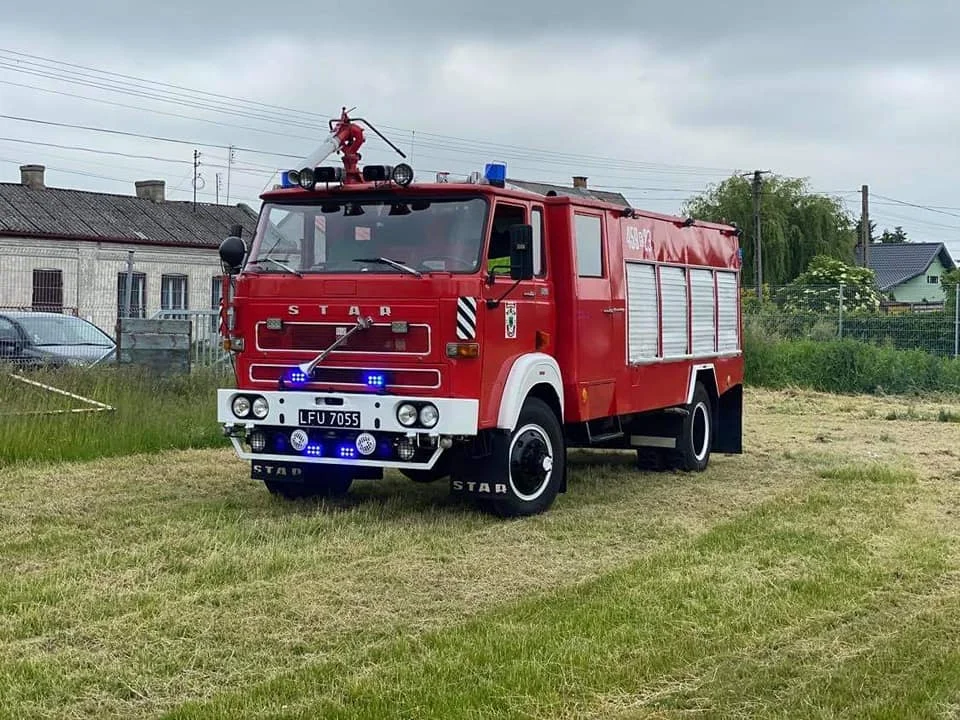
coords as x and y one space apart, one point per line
129 297
840 323
956 320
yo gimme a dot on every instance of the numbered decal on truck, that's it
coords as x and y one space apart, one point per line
639 240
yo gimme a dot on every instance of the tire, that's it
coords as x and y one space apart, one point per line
319 481
439 471
696 436
534 456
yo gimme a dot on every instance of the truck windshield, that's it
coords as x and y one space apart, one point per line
370 235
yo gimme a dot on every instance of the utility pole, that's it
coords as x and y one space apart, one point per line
865 224
218 188
758 247
230 158
196 165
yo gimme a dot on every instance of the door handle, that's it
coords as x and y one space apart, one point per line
612 310
529 293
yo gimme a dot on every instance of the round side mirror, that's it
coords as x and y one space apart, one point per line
232 252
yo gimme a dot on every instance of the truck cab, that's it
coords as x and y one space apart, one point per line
473 331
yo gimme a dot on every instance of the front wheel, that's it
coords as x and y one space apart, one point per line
535 462
318 481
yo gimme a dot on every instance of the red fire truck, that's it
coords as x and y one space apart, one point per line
473 331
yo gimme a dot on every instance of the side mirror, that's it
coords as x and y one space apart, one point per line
521 252
232 253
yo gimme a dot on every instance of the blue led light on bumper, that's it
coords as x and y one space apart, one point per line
313 450
495 174
347 452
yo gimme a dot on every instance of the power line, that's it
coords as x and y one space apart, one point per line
441 141
916 205
144 136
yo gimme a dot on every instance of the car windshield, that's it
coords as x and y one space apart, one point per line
370 235
62 330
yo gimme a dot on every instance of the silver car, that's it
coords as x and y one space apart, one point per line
33 339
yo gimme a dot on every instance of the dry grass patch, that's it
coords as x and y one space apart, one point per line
131 586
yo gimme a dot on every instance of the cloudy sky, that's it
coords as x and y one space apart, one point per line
655 99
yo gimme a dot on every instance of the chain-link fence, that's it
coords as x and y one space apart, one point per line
831 312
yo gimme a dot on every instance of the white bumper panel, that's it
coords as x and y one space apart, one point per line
353 462
378 413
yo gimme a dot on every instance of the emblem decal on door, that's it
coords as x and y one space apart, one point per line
510 320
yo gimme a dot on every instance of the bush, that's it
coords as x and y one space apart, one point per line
845 366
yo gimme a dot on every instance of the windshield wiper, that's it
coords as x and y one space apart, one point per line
278 263
391 263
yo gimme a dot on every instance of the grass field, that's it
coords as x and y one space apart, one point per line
818 575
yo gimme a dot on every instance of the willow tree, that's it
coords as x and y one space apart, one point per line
796 224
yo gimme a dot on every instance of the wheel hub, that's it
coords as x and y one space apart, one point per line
530 462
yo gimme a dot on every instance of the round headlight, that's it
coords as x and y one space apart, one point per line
403 174
241 406
260 408
307 180
429 416
406 414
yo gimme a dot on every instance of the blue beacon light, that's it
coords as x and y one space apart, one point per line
495 173
287 181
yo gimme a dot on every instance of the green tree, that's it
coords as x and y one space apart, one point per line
858 228
797 225
898 235
949 281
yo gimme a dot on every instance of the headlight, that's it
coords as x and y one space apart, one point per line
260 408
429 415
406 414
241 406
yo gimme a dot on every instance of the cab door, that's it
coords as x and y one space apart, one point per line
511 328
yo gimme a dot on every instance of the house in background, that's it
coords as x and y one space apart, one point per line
67 250
910 272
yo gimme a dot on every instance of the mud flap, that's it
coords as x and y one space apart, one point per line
480 469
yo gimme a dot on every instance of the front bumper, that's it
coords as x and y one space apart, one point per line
377 416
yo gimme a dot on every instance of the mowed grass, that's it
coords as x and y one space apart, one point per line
818 575
150 412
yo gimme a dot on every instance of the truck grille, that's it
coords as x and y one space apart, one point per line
316 337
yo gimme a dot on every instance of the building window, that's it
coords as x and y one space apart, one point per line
138 295
589 245
48 290
933 279
173 292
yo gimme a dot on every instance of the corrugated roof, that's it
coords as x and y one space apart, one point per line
102 216
895 263
544 188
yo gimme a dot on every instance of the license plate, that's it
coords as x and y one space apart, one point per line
330 418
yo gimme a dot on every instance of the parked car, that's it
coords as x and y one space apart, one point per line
33 339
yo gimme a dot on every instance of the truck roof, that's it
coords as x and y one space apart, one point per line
513 189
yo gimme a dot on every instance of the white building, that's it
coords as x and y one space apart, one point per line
67 250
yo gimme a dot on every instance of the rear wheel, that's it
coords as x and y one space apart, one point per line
696 436
535 461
